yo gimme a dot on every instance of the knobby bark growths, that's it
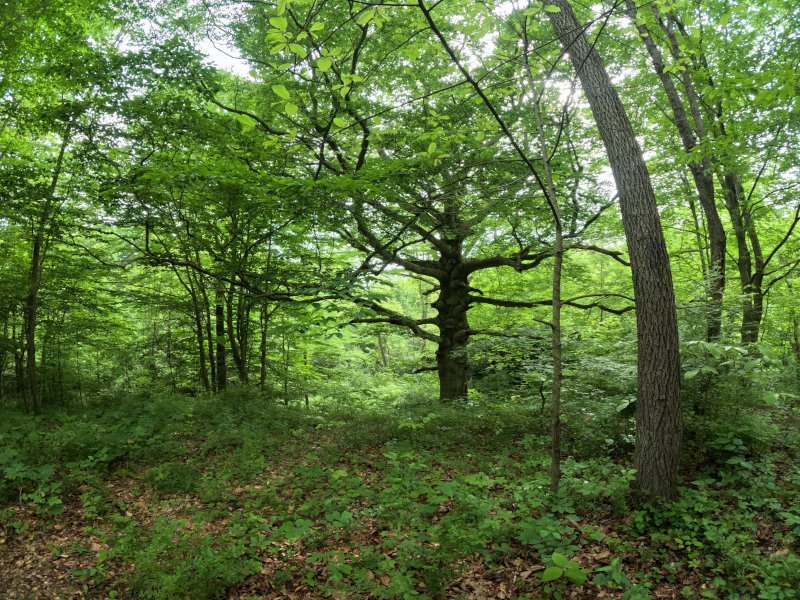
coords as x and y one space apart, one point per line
451 355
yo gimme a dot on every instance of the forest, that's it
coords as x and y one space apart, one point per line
401 299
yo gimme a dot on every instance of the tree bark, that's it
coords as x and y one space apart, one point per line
555 325
233 338
285 348
243 307
752 295
3 360
262 346
222 375
29 322
19 359
659 424
197 311
452 362
750 278
383 351
206 305
795 322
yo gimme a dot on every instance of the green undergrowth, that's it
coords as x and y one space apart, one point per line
195 496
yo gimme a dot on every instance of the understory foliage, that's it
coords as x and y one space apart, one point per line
197 497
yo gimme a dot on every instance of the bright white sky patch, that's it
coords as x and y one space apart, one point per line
224 57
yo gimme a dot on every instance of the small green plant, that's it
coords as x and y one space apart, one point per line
612 577
563 567
47 498
546 533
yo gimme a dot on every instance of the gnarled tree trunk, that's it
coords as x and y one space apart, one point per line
452 362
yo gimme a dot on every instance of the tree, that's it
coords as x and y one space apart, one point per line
363 135
659 423
701 168
722 98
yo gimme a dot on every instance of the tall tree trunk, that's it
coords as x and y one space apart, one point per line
59 360
795 322
751 299
735 200
45 368
38 253
233 338
206 305
285 348
3 361
756 289
243 306
452 362
262 346
79 375
424 305
169 351
219 311
558 262
197 312
659 423
383 351
29 321
201 344
19 359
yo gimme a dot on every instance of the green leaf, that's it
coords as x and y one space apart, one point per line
279 23
552 8
366 17
298 49
290 109
281 91
338 474
560 560
577 576
339 122
551 573
691 374
431 147
247 122
324 64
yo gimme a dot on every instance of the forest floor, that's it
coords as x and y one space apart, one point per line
220 498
